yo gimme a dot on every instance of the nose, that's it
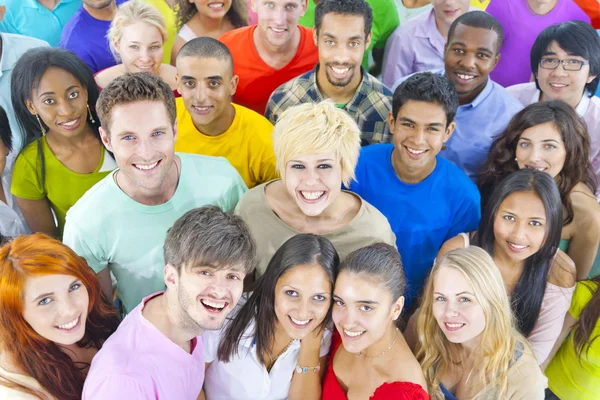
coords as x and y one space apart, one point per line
451 310
536 154
67 308
65 108
518 230
303 309
144 54
279 16
311 177
145 148
559 71
201 93
468 60
419 136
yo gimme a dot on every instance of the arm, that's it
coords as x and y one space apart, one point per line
583 246
306 386
202 396
38 215
567 326
106 283
457 242
410 333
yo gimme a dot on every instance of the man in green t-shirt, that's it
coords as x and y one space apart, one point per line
120 224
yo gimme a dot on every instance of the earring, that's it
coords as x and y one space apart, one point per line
41 125
515 158
92 120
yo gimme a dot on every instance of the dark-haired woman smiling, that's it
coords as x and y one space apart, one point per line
520 228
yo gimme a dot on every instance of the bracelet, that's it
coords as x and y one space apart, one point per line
302 370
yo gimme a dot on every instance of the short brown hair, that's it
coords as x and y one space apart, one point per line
129 88
210 237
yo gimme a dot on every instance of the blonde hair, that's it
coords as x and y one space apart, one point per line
437 354
129 13
311 128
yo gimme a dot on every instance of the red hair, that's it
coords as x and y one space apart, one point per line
38 357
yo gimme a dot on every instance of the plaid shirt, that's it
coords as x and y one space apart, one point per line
369 106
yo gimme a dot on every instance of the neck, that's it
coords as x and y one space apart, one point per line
383 345
408 175
441 26
339 94
541 9
573 102
470 348
220 125
103 14
155 196
209 24
73 141
467 98
164 312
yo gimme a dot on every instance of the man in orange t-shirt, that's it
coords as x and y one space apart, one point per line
270 53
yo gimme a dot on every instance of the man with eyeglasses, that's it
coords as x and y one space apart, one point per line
565 61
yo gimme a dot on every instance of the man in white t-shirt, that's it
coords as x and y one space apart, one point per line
120 224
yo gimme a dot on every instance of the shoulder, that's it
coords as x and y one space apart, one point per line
562 271
22 43
260 125
106 76
306 31
376 151
204 166
247 206
237 38
29 152
457 242
96 198
379 88
522 92
525 378
585 207
501 94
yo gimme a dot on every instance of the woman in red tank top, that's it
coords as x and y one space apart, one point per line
369 358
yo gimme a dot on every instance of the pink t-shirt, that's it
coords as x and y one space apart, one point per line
140 362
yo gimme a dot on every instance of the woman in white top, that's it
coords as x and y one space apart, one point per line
213 18
275 344
136 37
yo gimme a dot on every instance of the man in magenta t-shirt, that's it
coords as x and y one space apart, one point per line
157 351
523 21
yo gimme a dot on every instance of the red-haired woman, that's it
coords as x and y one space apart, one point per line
53 319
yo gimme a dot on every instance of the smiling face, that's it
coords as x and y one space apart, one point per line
419 132
341 43
140 48
455 307
142 140
214 9
278 19
558 84
56 307
302 299
363 310
314 181
542 147
470 55
520 226
206 86
205 295
446 11
60 101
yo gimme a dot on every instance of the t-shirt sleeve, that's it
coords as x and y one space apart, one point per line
84 245
116 387
25 180
468 213
236 191
582 296
326 342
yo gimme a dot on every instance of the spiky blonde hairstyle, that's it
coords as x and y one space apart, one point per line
497 342
317 128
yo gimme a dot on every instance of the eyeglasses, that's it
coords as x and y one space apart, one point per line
568 65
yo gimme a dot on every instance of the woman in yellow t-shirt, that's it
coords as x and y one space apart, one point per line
54 96
574 372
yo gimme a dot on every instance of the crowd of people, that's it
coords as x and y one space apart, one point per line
299 199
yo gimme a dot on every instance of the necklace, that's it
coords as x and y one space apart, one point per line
383 352
272 360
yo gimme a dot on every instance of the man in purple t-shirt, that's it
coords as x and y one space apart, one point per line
157 351
523 20
85 33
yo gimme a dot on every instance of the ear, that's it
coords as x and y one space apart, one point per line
105 136
449 131
116 45
368 40
391 122
316 37
2 12
175 131
305 6
496 59
171 275
591 78
253 5
397 308
235 80
30 107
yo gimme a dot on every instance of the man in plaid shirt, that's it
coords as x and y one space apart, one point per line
342 34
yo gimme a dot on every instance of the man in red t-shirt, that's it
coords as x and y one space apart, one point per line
270 53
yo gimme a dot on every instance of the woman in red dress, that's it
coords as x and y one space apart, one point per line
369 358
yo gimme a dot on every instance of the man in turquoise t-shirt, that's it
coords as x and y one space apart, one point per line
385 20
120 224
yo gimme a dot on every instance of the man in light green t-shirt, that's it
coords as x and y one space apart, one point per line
120 224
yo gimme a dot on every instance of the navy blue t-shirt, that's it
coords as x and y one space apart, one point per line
85 36
423 215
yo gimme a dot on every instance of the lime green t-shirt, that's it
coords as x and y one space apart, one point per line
568 377
385 20
110 229
63 187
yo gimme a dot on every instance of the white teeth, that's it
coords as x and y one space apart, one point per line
201 108
216 5
146 167
465 77
213 305
340 71
278 30
516 246
558 85
312 195
353 334
541 169
299 322
453 325
69 325
416 152
69 124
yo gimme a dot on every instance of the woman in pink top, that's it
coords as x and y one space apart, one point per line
520 228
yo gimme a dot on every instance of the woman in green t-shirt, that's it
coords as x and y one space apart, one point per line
54 96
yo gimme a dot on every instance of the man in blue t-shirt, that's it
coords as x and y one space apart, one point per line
426 199
85 33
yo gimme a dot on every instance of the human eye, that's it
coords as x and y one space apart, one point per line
440 298
329 42
291 293
339 303
464 300
459 51
319 297
234 277
134 47
509 218
159 133
128 137
290 7
49 101
524 144
574 62
204 272
549 146
155 47
324 166
535 223
75 286
408 124
297 166
45 301
483 55
214 83
354 44
189 84
269 4
365 308
73 95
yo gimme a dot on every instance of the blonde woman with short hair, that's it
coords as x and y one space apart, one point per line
136 37
316 150
468 345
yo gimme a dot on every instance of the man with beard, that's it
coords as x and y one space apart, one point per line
342 34
85 33
157 352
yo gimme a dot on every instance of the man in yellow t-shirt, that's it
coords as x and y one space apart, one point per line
209 124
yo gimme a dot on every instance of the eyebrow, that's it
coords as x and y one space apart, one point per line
331 35
41 296
214 77
406 119
543 141
370 302
457 294
552 53
321 160
136 42
125 133
478 49
69 88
